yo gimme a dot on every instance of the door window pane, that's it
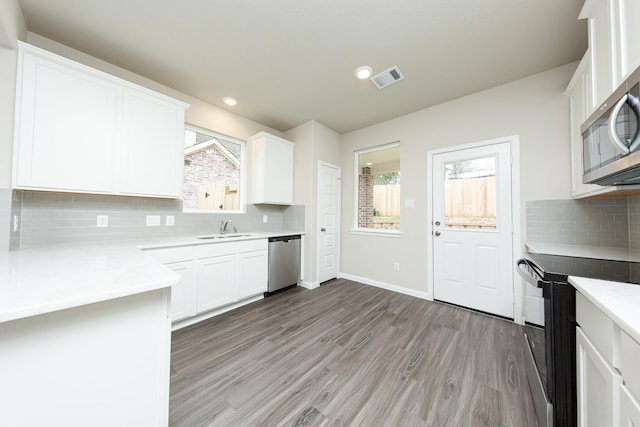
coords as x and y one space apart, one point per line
470 194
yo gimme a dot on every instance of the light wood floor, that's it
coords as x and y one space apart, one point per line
349 354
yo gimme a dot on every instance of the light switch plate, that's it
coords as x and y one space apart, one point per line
169 220
265 218
16 223
409 203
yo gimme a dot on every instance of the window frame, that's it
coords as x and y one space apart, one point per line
356 230
242 184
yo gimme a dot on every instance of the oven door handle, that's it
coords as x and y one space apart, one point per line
525 268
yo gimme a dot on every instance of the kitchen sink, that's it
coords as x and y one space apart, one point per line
223 236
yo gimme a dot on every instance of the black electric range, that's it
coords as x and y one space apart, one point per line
552 350
559 267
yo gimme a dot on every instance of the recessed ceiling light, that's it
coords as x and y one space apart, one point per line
368 163
229 101
364 72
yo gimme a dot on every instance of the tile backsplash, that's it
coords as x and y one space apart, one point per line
51 218
607 222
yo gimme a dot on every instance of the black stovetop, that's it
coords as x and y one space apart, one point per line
558 267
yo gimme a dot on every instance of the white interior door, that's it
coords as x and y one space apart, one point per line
328 221
473 228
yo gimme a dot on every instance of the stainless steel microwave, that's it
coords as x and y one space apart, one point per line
611 138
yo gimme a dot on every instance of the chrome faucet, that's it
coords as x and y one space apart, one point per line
225 224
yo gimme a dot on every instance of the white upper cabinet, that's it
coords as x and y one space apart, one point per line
614 36
66 125
611 56
628 35
271 169
81 130
602 48
152 155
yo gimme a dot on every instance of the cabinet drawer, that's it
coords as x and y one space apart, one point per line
253 245
216 249
598 327
630 363
171 255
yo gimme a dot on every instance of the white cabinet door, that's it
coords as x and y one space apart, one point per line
598 386
216 283
67 123
253 269
629 409
182 293
272 169
82 130
628 15
152 152
601 44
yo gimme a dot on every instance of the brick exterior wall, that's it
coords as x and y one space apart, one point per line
206 166
365 199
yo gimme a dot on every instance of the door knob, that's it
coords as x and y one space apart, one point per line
437 233
437 223
323 229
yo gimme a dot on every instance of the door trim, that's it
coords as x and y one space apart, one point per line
317 219
516 235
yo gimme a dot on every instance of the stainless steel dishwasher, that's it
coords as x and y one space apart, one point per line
284 262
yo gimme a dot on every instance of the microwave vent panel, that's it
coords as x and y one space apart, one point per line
387 78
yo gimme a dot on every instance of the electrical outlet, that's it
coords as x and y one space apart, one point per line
153 220
102 221
168 221
16 223
265 218
396 266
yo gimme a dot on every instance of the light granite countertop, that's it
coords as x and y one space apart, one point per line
619 301
41 280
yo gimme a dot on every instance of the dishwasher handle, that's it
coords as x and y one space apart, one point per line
285 238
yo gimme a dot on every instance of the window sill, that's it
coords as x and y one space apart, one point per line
379 233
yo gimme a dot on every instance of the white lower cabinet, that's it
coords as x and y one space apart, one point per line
182 293
216 283
214 275
608 369
598 386
253 268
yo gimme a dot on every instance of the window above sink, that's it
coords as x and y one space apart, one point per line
214 172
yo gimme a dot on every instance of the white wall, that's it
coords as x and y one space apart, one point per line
533 108
314 142
12 25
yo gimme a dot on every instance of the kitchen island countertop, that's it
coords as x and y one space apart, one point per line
45 279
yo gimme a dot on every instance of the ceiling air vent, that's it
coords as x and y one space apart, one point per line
388 77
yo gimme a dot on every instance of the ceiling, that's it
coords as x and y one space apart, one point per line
291 61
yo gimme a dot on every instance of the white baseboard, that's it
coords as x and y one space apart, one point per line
308 285
387 286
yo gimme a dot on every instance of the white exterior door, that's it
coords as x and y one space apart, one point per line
328 221
472 228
